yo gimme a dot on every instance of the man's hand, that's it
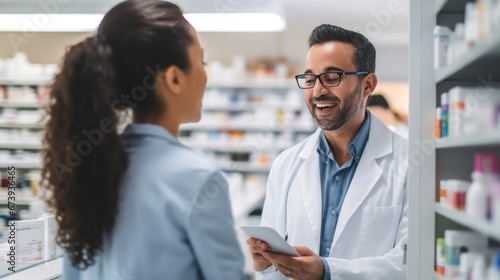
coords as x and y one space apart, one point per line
257 248
308 266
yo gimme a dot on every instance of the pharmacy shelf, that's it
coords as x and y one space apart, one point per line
20 164
21 125
483 227
469 141
244 107
20 200
24 82
48 270
16 145
255 84
234 147
439 4
244 167
27 105
449 6
245 126
243 202
476 62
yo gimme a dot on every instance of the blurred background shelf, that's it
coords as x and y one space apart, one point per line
246 126
21 125
20 104
19 145
24 81
234 147
20 164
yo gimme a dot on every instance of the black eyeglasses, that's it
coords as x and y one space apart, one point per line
328 79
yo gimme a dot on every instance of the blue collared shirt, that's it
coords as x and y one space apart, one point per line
335 181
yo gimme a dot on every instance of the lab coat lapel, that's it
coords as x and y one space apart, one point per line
367 173
310 184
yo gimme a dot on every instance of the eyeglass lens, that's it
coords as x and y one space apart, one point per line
327 80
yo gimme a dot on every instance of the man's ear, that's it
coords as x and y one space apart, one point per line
173 78
371 82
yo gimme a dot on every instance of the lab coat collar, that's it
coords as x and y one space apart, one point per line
378 130
379 144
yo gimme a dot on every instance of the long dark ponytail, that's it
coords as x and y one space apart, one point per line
84 160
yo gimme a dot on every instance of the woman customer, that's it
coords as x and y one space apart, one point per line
139 205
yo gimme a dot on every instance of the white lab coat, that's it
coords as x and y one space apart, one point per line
372 229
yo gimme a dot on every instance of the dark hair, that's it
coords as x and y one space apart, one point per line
364 51
377 100
84 160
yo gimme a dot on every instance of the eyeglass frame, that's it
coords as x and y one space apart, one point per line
317 77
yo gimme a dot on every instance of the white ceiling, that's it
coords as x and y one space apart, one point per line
371 17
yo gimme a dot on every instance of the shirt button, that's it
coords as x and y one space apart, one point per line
337 178
333 212
328 250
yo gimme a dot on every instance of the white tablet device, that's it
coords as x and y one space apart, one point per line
272 238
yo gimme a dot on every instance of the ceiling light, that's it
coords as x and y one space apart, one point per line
202 22
42 22
236 22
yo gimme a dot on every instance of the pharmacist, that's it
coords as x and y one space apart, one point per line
340 196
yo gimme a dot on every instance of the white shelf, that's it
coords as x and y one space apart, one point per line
439 4
21 199
477 225
449 6
37 270
16 145
244 167
245 201
265 83
245 126
24 82
20 164
17 104
21 125
469 141
484 48
244 107
235 147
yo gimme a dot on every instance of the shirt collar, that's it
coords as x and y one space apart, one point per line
151 130
355 148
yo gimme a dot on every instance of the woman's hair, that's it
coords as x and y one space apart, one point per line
378 100
364 51
84 160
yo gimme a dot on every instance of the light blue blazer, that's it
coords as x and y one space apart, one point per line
174 219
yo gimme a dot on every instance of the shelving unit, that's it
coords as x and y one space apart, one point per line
234 147
478 60
244 123
21 137
30 105
243 126
460 217
31 145
433 160
469 141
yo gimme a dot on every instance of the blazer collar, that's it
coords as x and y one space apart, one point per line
149 130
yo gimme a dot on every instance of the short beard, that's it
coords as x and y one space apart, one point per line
353 105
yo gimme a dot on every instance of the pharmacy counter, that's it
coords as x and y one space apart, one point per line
43 270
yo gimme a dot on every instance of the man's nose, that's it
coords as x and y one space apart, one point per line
319 89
